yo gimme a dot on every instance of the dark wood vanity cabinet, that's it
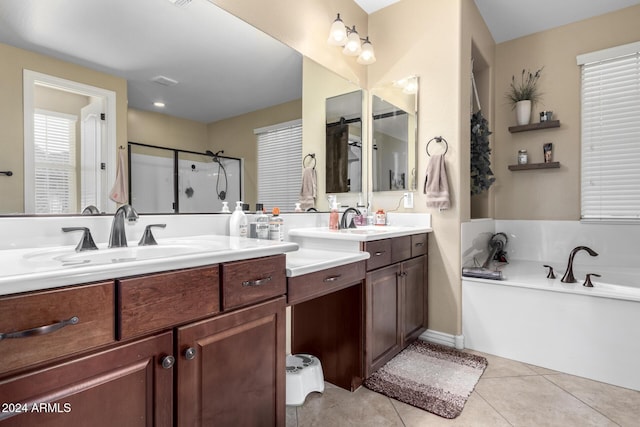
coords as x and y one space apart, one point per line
231 368
129 385
395 297
180 355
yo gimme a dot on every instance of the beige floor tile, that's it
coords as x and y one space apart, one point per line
338 407
476 412
619 404
501 367
292 417
535 401
541 371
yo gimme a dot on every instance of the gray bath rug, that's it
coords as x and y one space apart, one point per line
429 376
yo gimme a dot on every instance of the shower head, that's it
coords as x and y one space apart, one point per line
214 155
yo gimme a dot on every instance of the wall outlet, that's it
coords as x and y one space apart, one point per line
408 200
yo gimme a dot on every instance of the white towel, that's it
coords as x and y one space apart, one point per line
308 192
119 191
436 186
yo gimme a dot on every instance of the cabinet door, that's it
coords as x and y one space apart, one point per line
414 293
231 368
383 338
123 386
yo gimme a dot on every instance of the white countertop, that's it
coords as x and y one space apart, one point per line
360 234
23 270
305 261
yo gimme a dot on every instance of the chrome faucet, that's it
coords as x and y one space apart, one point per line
345 218
568 275
118 237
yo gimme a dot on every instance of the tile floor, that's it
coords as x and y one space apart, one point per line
509 393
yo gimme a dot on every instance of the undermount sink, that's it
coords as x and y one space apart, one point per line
68 256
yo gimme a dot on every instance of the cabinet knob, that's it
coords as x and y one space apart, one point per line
168 362
190 353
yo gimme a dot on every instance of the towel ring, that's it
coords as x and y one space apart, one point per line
313 157
438 139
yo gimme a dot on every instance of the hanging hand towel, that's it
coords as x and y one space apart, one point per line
120 187
308 192
436 186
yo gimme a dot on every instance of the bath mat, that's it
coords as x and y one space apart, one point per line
429 376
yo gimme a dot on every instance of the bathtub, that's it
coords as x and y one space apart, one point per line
588 332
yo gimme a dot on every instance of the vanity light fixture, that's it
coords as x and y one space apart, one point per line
341 35
409 85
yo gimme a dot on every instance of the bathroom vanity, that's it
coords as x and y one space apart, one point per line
196 334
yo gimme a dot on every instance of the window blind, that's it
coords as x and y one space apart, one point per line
54 162
279 165
611 136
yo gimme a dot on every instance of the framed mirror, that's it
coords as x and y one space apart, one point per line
344 143
394 132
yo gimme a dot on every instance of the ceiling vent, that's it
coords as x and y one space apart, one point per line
164 81
180 3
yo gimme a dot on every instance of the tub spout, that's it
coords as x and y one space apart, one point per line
568 275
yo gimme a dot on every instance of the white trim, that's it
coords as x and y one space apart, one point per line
612 52
30 78
456 341
279 126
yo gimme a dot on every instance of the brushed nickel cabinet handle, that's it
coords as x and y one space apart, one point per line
379 253
42 330
332 278
190 353
420 244
168 362
258 282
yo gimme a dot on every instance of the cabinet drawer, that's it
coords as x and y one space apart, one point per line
42 314
380 251
157 301
418 245
313 285
250 281
400 248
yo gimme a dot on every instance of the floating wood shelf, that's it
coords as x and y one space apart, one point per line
531 166
535 126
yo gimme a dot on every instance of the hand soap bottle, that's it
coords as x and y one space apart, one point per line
238 222
334 217
276 226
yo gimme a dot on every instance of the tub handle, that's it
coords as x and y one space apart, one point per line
587 280
551 274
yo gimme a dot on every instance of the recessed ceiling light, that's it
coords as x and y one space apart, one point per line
158 104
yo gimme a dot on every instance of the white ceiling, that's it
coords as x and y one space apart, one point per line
510 19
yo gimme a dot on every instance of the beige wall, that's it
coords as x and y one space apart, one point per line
552 193
146 127
235 136
14 61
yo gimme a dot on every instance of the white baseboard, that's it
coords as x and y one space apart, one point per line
449 340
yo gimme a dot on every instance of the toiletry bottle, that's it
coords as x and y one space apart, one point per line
334 217
262 224
225 207
381 218
276 226
238 223
297 208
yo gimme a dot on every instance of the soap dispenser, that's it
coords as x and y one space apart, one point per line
334 217
238 223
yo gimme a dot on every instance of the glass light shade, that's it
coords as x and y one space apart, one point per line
411 86
337 33
353 47
367 55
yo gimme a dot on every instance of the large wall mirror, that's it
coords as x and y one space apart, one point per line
180 64
394 129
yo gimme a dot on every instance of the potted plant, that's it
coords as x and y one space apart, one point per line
524 94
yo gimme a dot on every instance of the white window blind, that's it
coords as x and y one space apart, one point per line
280 165
54 162
611 134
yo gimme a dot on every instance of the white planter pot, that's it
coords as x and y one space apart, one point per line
523 112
